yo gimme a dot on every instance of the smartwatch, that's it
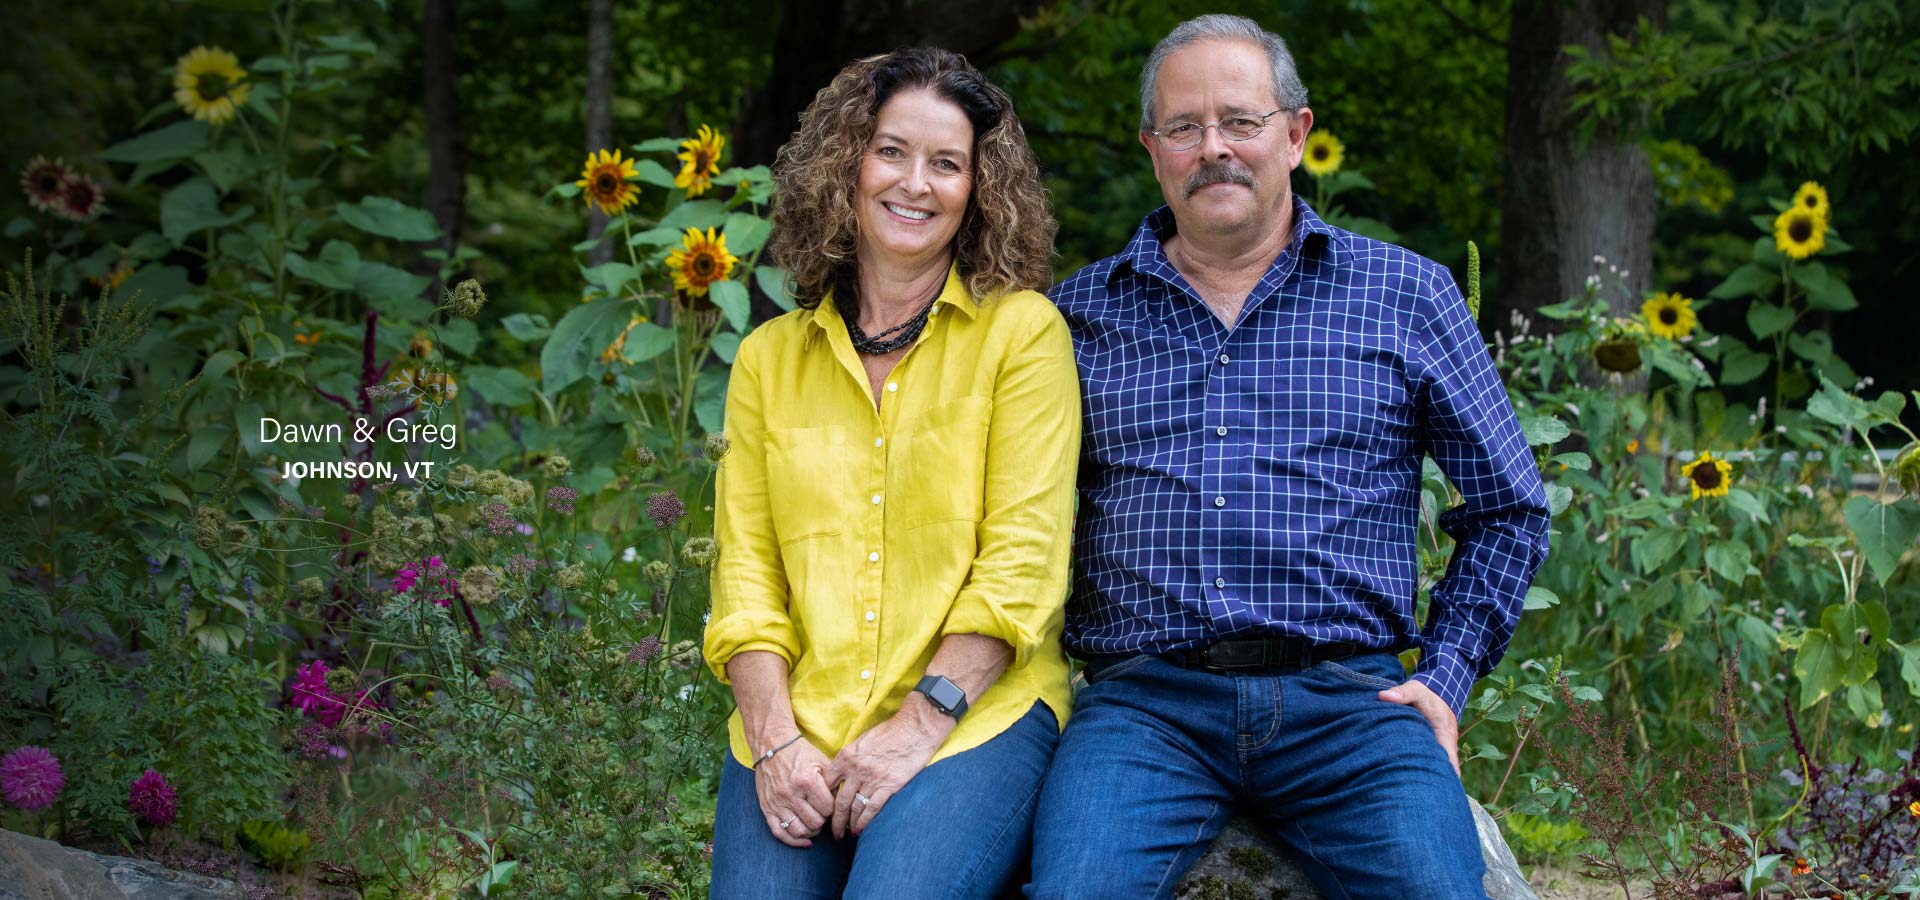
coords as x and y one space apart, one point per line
945 696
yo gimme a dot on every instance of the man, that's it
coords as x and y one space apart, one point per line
1259 390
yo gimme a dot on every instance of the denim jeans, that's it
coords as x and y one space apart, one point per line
962 828
1156 758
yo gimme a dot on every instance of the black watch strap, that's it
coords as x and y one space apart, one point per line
945 696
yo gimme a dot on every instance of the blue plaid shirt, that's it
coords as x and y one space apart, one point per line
1265 480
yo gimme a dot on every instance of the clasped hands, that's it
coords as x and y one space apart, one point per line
801 791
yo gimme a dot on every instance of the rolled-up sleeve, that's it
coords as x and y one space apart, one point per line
1500 528
1017 588
749 584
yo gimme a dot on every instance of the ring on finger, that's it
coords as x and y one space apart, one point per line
861 799
788 822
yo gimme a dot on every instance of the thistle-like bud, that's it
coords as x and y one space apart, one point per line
717 446
700 552
657 571
209 526
309 589
558 466
466 299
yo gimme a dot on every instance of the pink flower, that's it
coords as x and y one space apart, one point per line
312 696
409 575
152 799
30 778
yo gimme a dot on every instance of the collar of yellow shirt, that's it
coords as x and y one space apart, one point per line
827 320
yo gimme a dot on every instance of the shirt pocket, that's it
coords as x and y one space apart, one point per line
807 488
946 463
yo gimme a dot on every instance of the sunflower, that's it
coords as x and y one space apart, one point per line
81 198
1669 315
209 83
1324 153
702 260
701 158
1812 198
1799 233
606 181
113 279
41 179
1709 477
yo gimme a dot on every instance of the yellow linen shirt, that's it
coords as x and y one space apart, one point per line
852 539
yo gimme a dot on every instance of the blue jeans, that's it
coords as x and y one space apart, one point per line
1157 758
962 828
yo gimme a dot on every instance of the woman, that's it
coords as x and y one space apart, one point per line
894 517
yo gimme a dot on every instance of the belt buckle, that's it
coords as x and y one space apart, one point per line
1236 655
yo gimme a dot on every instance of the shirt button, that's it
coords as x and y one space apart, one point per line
893 387
869 617
866 674
1221 431
873 557
876 499
1219 582
879 441
1223 359
1217 501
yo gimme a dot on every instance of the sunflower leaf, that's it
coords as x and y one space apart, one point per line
653 173
1824 290
337 267
1768 318
389 218
1739 365
1746 281
773 282
1815 347
700 214
731 297
1730 560
1544 430
647 341
1748 502
507 387
578 339
177 141
746 233
725 345
1885 530
194 207
656 145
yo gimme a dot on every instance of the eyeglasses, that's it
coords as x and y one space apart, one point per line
1187 135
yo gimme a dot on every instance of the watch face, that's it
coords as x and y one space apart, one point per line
947 695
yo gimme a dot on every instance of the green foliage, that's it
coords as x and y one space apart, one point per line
1541 837
274 844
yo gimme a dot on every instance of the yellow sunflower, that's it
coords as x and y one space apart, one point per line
209 83
1324 153
1669 315
606 181
701 260
616 351
1708 477
1799 233
1812 198
700 156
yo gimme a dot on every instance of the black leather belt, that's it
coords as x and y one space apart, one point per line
1261 653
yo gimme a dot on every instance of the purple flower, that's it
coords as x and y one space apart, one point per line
312 696
499 518
560 499
316 741
645 651
444 585
153 799
665 509
30 778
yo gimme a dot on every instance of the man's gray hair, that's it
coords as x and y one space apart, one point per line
1220 26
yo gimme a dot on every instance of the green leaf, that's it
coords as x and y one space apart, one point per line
653 173
225 167
1814 347
246 418
656 145
337 267
1541 598
656 237
702 214
746 233
460 335
193 207
1544 430
1843 623
1824 289
566 189
1656 547
578 339
1730 560
507 387
1835 406
1579 461
1746 281
527 327
206 441
177 141
731 297
220 364
773 282
1559 497
1817 665
158 284
710 399
1739 365
1766 319
1885 530
725 345
389 218
647 341
1910 666
379 281
610 277
1747 502
1874 616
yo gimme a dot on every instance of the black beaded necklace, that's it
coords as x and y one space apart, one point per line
892 339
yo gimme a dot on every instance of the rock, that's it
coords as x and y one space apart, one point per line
36 869
1245 865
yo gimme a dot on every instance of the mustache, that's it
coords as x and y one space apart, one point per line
1218 173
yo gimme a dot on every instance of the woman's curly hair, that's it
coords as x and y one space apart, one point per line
1005 241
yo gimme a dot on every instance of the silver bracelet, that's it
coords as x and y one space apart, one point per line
769 754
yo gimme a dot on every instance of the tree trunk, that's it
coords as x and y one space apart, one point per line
1565 203
446 132
819 37
599 107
